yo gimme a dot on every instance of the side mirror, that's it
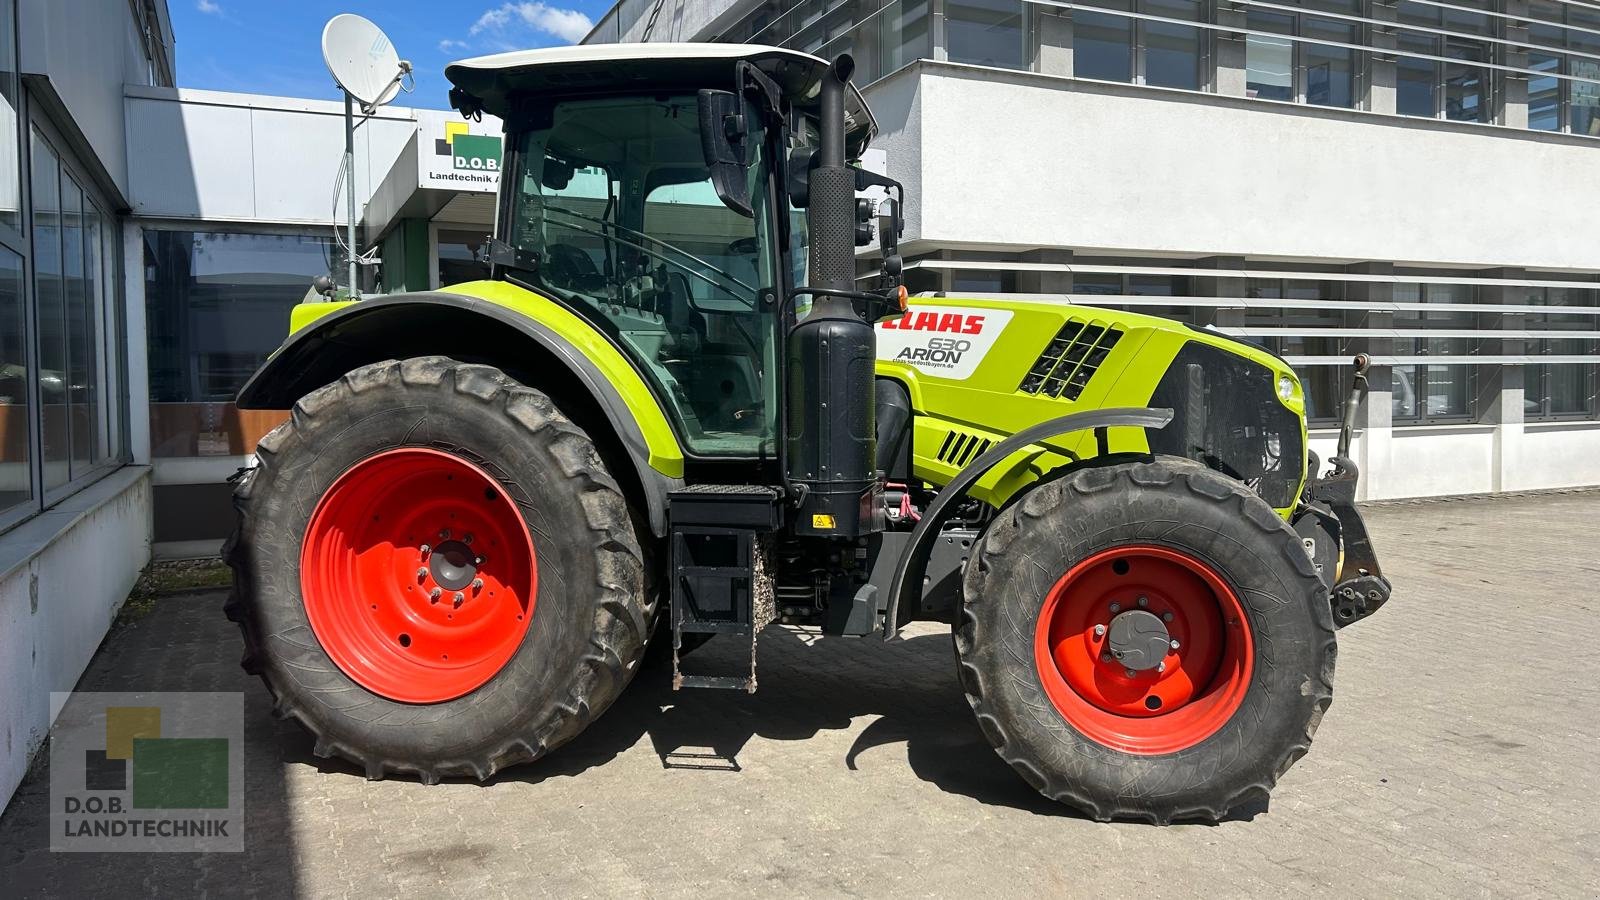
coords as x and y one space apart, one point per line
890 224
557 173
724 130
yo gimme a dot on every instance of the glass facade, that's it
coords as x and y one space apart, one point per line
1566 39
74 301
1425 392
61 377
1565 391
1319 68
1449 61
216 304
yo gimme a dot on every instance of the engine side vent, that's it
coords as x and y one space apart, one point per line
1064 368
960 448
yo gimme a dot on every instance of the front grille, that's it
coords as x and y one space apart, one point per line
960 448
1064 368
1226 415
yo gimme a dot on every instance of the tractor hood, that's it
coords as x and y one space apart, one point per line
490 83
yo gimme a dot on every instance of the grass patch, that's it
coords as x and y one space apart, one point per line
164 579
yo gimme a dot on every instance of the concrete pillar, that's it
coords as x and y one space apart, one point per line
1500 389
1229 52
1511 101
1053 50
1045 282
1218 287
1381 79
1373 450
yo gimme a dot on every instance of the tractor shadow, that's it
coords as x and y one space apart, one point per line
811 683
808 684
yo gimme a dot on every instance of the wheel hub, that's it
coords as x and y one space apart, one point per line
453 565
1138 640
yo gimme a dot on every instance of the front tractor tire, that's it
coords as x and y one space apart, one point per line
434 571
1146 640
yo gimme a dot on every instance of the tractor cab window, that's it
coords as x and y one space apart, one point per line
615 198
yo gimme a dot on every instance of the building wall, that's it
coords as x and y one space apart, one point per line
1092 165
84 56
56 604
223 157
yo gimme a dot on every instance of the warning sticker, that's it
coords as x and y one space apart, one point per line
943 341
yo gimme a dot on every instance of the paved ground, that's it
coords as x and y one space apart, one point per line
1458 760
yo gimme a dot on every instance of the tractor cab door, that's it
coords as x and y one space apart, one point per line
614 196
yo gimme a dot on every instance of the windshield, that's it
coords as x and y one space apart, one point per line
615 198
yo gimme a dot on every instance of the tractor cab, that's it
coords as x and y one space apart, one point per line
650 195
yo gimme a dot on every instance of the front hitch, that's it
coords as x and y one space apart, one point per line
1357 585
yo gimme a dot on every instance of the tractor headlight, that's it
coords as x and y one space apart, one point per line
1286 388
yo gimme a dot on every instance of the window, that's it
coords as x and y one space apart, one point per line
1315 71
612 195
1558 104
1102 44
903 34
1323 384
10 131
73 303
216 304
458 256
881 36
979 283
985 32
1435 393
1109 47
1563 390
1459 88
1112 285
16 477
52 317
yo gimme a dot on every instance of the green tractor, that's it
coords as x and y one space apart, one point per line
673 412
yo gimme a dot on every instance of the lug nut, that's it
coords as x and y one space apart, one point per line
444 534
1144 601
1132 673
1116 607
433 595
1174 644
466 538
422 573
1099 630
1105 657
1161 667
477 584
426 550
477 560
1166 617
459 597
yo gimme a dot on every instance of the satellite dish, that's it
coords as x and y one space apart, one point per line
362 60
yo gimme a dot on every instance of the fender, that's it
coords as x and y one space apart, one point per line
906 583
502 332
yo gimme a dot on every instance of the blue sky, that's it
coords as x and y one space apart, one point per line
273 46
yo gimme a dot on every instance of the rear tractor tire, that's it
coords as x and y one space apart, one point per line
1146 640
434 572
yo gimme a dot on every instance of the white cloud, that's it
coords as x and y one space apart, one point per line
209 7
564 24
449 45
